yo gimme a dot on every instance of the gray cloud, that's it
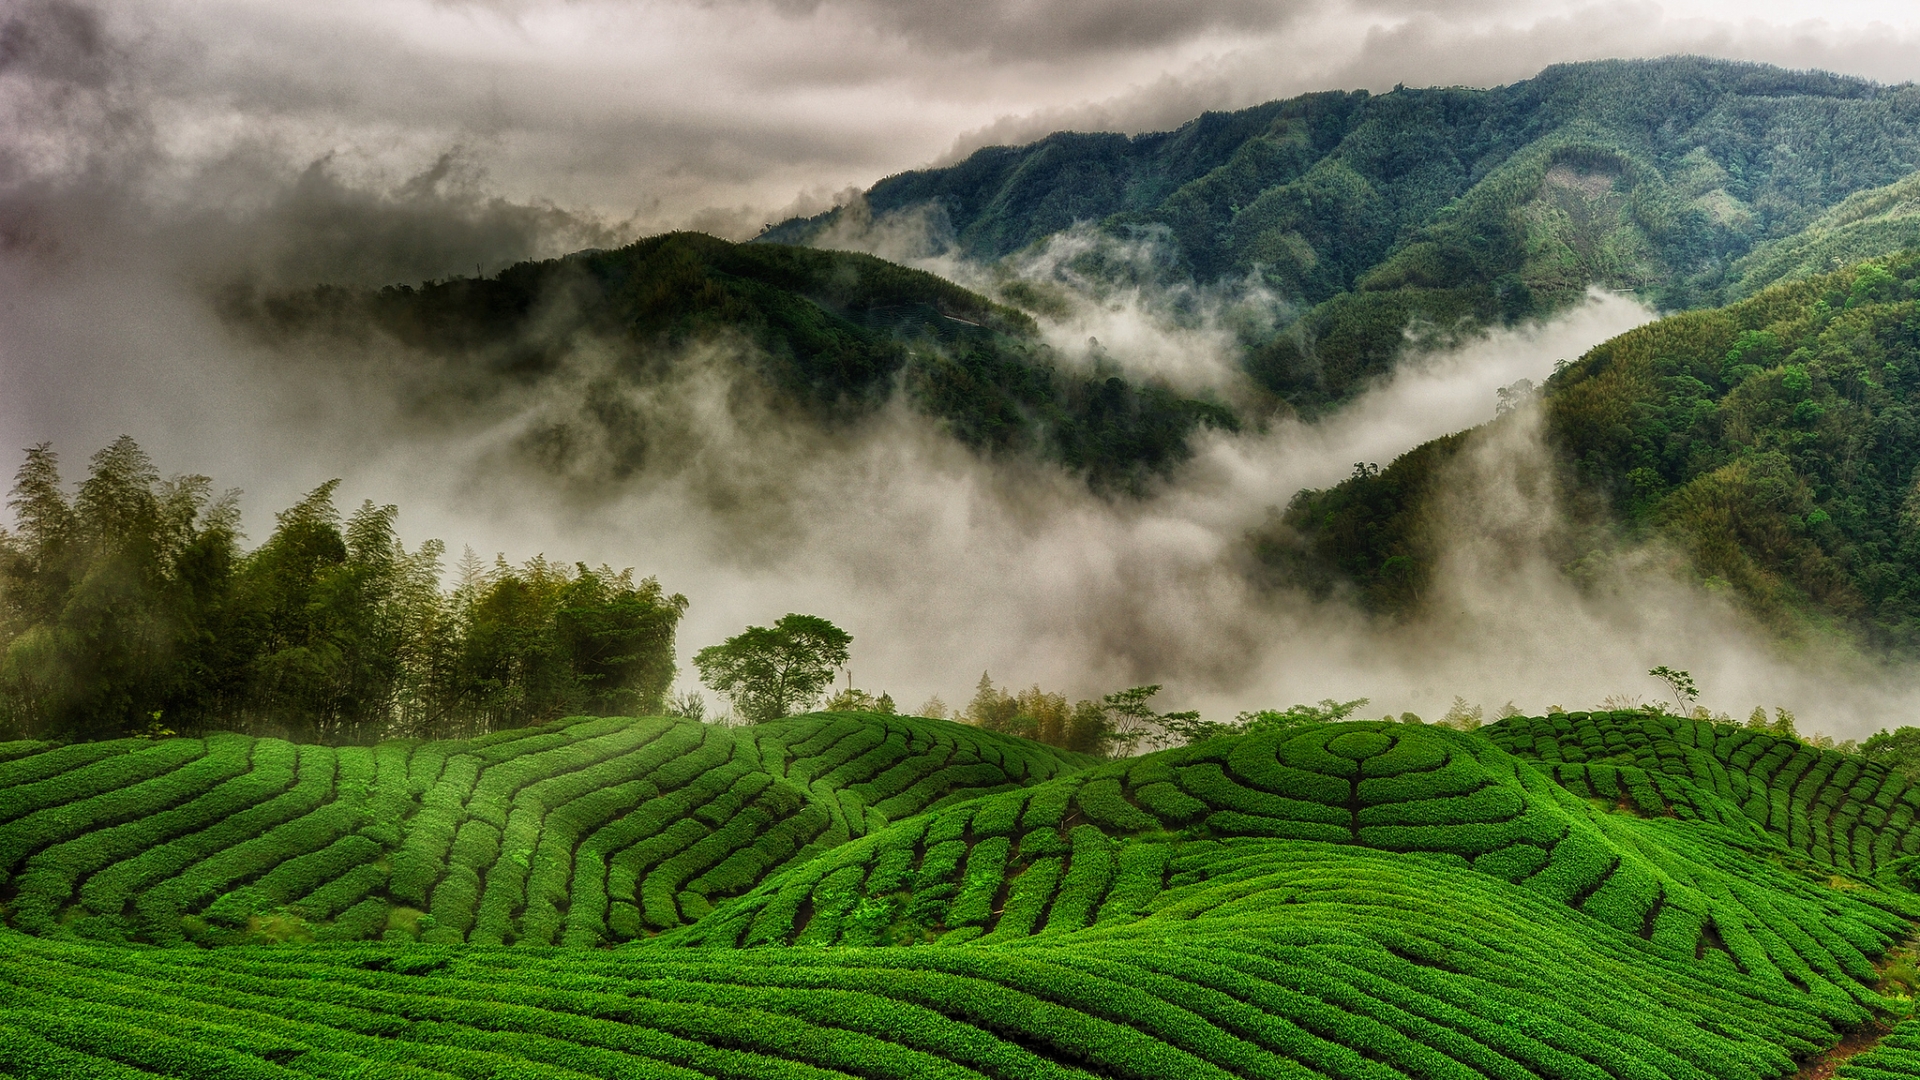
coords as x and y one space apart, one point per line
1058 29
670 112
1375 44
60 42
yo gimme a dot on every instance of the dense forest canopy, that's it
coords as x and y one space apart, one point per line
830 336
1433 208
131 606
1773 441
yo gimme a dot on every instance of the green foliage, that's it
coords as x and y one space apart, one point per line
1084 727
1894 1057
536 834
1128 719
1770 440
832 334
1577 895
1898 750
773 671
1681 684
1865 225
1852 813
1371 537
1191 729
130 607
108 597
1439 211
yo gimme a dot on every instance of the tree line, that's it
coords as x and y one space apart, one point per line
129 605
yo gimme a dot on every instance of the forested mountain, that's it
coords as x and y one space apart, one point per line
1375 219
1774 441
829 335
1430 207
1870 223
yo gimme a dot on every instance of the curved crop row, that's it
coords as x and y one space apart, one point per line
580 832
1278 960
1844 811
1364 900
1117 843
1895 1057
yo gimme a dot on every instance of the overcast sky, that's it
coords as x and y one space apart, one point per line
724 113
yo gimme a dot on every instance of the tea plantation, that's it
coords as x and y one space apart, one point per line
584 832
1574 896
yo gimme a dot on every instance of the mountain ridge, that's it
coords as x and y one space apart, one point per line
826 337
1441 208
1768 441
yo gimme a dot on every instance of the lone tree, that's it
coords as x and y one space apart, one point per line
773 671
1682 685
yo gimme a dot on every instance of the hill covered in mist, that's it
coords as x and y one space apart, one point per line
823 338
1771 444
1304 247
1321 238
1432 210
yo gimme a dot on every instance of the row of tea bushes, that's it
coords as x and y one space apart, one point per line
1266 958
1109 846
1840 809
581 832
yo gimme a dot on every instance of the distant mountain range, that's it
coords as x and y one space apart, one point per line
1772 439
1687 181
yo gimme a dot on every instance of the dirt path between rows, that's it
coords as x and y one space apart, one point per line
1823 1066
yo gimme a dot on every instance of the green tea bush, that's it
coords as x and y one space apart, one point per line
1842 811
495 836
1469 905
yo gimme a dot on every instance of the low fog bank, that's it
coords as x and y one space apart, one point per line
942 564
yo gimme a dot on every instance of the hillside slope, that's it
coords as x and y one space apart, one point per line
1427 208
828 337
1574 896
1772 441
586 831
1866 225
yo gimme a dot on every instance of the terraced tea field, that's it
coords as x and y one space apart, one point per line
1843 811
581 832
1593 896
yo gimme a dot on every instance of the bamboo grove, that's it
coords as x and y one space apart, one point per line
130 605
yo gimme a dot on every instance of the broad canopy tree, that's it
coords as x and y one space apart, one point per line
773 671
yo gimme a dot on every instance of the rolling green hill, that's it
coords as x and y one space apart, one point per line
828 335
587 831
1436 208
1591 896
1772 441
